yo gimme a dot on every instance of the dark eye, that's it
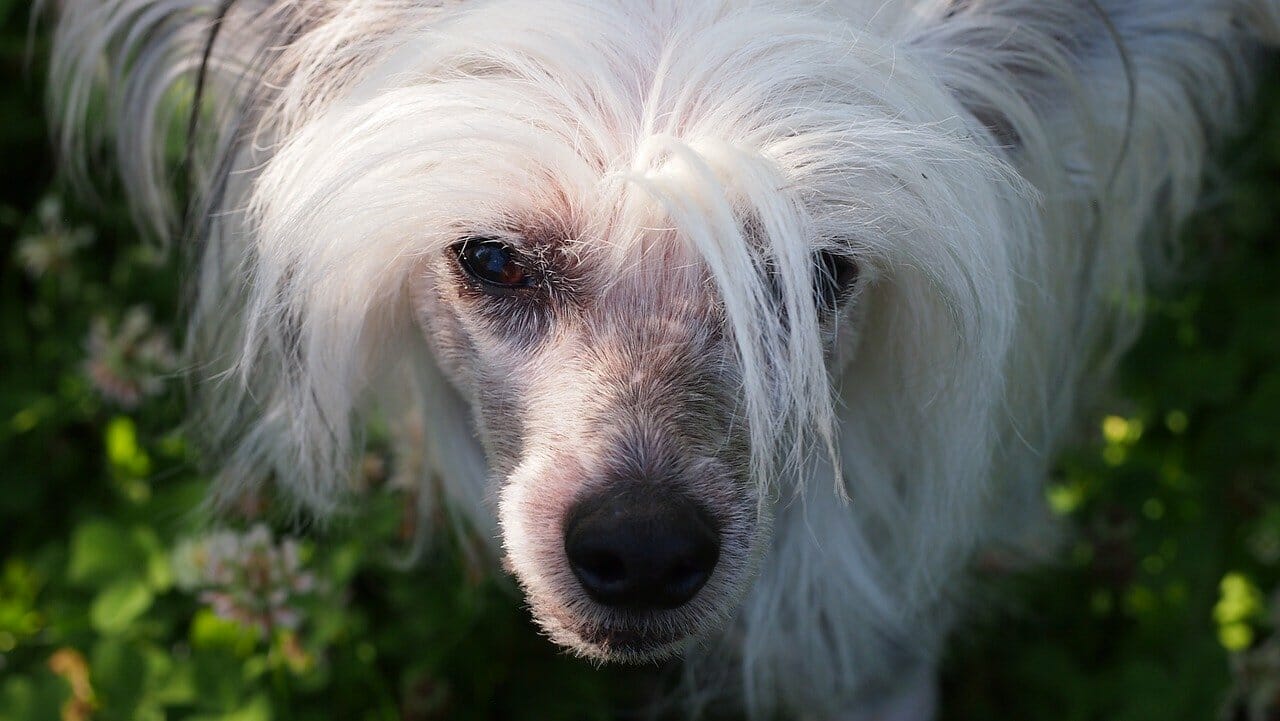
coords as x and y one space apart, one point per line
834 277
493 263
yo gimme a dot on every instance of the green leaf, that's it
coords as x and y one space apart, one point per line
103 552
123 451
118 673
32 698
178 685
159 570
119 605
257 709
218 675
210 631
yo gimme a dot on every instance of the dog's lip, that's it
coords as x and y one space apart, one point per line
631 640
629 636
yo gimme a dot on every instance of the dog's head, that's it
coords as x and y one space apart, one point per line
623 260
640 240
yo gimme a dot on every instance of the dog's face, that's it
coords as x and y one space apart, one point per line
639 256
609 401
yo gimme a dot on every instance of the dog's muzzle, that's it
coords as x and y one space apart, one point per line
642 549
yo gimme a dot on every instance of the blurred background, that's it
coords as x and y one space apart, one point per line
119 602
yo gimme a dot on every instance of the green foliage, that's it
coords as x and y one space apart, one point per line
118 603
1157 609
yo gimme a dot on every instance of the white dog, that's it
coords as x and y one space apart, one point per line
740 326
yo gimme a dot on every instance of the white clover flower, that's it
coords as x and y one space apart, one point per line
52 247
248 577
130 361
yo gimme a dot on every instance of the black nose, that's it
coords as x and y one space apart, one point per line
641 549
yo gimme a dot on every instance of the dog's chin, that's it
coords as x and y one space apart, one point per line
622 644
640 639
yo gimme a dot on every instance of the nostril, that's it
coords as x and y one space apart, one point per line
604 568
686 579
641 549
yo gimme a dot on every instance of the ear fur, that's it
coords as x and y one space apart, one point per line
1109 108
198 94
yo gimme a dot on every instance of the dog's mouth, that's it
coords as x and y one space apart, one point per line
625 640
627 644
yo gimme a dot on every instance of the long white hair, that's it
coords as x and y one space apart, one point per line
1002 170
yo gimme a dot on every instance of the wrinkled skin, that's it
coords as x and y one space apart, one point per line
588 381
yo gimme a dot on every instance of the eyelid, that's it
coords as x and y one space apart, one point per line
489 287
511 240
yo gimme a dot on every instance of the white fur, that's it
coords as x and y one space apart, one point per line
1002 170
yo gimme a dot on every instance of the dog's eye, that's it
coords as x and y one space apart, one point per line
834 277
493 263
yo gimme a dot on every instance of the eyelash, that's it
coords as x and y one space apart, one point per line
494 266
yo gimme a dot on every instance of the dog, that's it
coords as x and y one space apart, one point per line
740 327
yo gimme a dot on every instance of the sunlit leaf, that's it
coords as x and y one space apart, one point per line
119 605
258 708
210 631
123 452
